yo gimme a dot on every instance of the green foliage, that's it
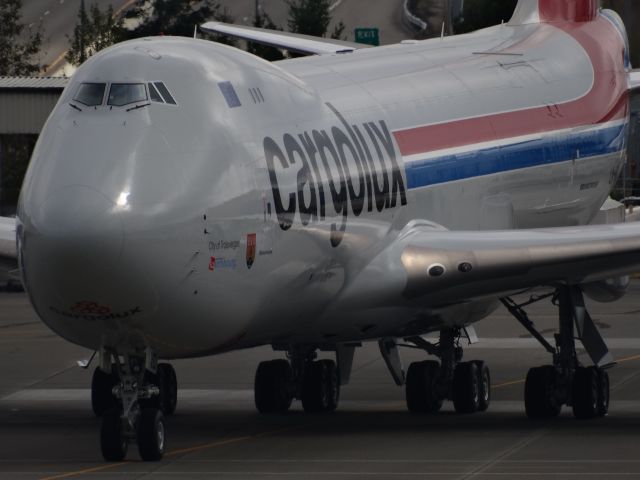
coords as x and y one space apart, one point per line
15 151
270 54
94 31
19 47
483 13
309 17
179 18
338 31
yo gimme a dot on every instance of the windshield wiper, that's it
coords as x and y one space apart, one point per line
75 106
138 106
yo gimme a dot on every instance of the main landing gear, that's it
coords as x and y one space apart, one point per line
429 383
566 381
315 382
133 394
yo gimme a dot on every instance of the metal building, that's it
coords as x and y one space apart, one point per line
25 105
26 102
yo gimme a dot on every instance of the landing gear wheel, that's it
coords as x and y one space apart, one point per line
466 391
484 385
603 398
113 442
586 393
421 387
168 383
540 393
150 435
273 386
102 399
320 387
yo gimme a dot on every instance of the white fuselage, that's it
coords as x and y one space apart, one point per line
245 214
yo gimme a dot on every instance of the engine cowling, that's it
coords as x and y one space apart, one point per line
606 291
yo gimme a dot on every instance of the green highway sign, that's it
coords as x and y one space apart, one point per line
370 36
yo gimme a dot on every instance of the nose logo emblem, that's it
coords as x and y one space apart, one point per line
90 308
251 249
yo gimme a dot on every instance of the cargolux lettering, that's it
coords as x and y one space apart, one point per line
349 168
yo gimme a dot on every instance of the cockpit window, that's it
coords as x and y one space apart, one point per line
126 93
90 94
164 91
153 93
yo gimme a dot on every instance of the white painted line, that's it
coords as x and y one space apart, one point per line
335 5
84 394
517 343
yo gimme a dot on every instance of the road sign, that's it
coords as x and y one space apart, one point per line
370 36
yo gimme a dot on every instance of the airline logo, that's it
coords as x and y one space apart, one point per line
251 249
348 169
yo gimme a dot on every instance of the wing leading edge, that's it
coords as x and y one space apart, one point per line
304 44
437 267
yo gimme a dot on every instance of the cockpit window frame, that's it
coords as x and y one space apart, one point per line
153 92
128 103
165 93
105 86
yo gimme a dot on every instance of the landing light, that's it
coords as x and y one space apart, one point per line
123 199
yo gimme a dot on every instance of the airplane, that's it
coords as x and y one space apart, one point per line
186 199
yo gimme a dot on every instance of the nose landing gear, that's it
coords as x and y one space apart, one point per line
133 400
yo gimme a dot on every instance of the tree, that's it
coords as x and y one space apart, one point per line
309 17
179 17
93 32
272 54
483 13
19 48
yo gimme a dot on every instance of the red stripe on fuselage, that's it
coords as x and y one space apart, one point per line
607 100
568 10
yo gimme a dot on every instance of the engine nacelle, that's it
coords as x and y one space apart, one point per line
606 291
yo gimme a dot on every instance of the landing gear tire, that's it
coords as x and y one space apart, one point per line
273 386
603 399
540 393
320 387
113 442
586 393
466 389
150 435
102 399
421 387
168 388
484 385
166 381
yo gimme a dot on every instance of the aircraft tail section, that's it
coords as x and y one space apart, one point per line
552 11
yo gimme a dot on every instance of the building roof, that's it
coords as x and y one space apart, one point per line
27 83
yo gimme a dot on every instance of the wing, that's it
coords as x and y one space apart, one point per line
437 267
634 80
304 44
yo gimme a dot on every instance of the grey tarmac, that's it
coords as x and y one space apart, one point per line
47 430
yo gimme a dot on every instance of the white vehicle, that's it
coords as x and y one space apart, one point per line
186 198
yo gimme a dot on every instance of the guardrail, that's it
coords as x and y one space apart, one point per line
412 19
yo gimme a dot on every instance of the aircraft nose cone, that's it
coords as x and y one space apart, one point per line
82 224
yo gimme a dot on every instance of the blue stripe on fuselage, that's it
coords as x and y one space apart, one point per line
544 151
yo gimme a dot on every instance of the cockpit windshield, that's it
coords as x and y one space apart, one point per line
122 94
90 94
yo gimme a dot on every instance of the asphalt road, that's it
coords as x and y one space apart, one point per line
59 18
47 430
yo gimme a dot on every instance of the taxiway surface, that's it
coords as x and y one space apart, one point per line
47 430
